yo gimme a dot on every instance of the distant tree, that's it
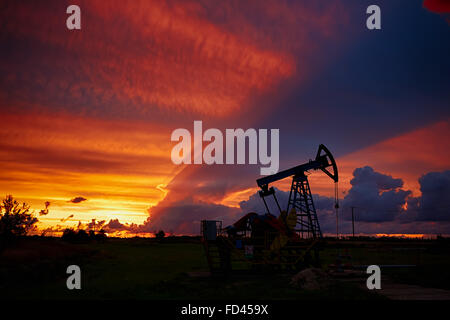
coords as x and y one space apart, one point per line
160 234
69 235
101 235
15 218
80 236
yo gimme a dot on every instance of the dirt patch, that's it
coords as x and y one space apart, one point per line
393 290
398 291
310 279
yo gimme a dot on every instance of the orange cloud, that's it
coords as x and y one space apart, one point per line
161 59
117 165
168 55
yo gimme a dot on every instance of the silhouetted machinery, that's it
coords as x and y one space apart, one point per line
286 241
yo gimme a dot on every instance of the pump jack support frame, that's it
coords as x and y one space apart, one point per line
300 196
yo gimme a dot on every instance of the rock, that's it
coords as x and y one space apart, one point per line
310 279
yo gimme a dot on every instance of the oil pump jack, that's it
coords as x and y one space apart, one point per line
283 242
300 197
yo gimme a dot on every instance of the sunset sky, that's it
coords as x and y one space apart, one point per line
87 114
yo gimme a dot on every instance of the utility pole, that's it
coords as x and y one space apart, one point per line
353 222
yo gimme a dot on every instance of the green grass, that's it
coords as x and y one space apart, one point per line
118 268
431 258
148 269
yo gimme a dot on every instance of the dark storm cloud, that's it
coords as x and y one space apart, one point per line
324 207
377 196
379 204
115 225
183 217
369 178
434 203
378 199
180 217
256 204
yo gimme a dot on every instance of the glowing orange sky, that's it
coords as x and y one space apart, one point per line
118 166
168 56
91 115
187 63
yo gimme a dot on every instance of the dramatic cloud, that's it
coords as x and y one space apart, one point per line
255 203
117 165
115 225
377 196
91 112
158 55
78 199
366 177
381 206
379 200
434 203
184 217
324 207
181 217
200 192
400 154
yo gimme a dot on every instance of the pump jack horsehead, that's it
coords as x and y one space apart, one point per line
300 197
269 242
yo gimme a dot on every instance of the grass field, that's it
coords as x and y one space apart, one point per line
35 268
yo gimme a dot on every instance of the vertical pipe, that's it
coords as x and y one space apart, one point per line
353 222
